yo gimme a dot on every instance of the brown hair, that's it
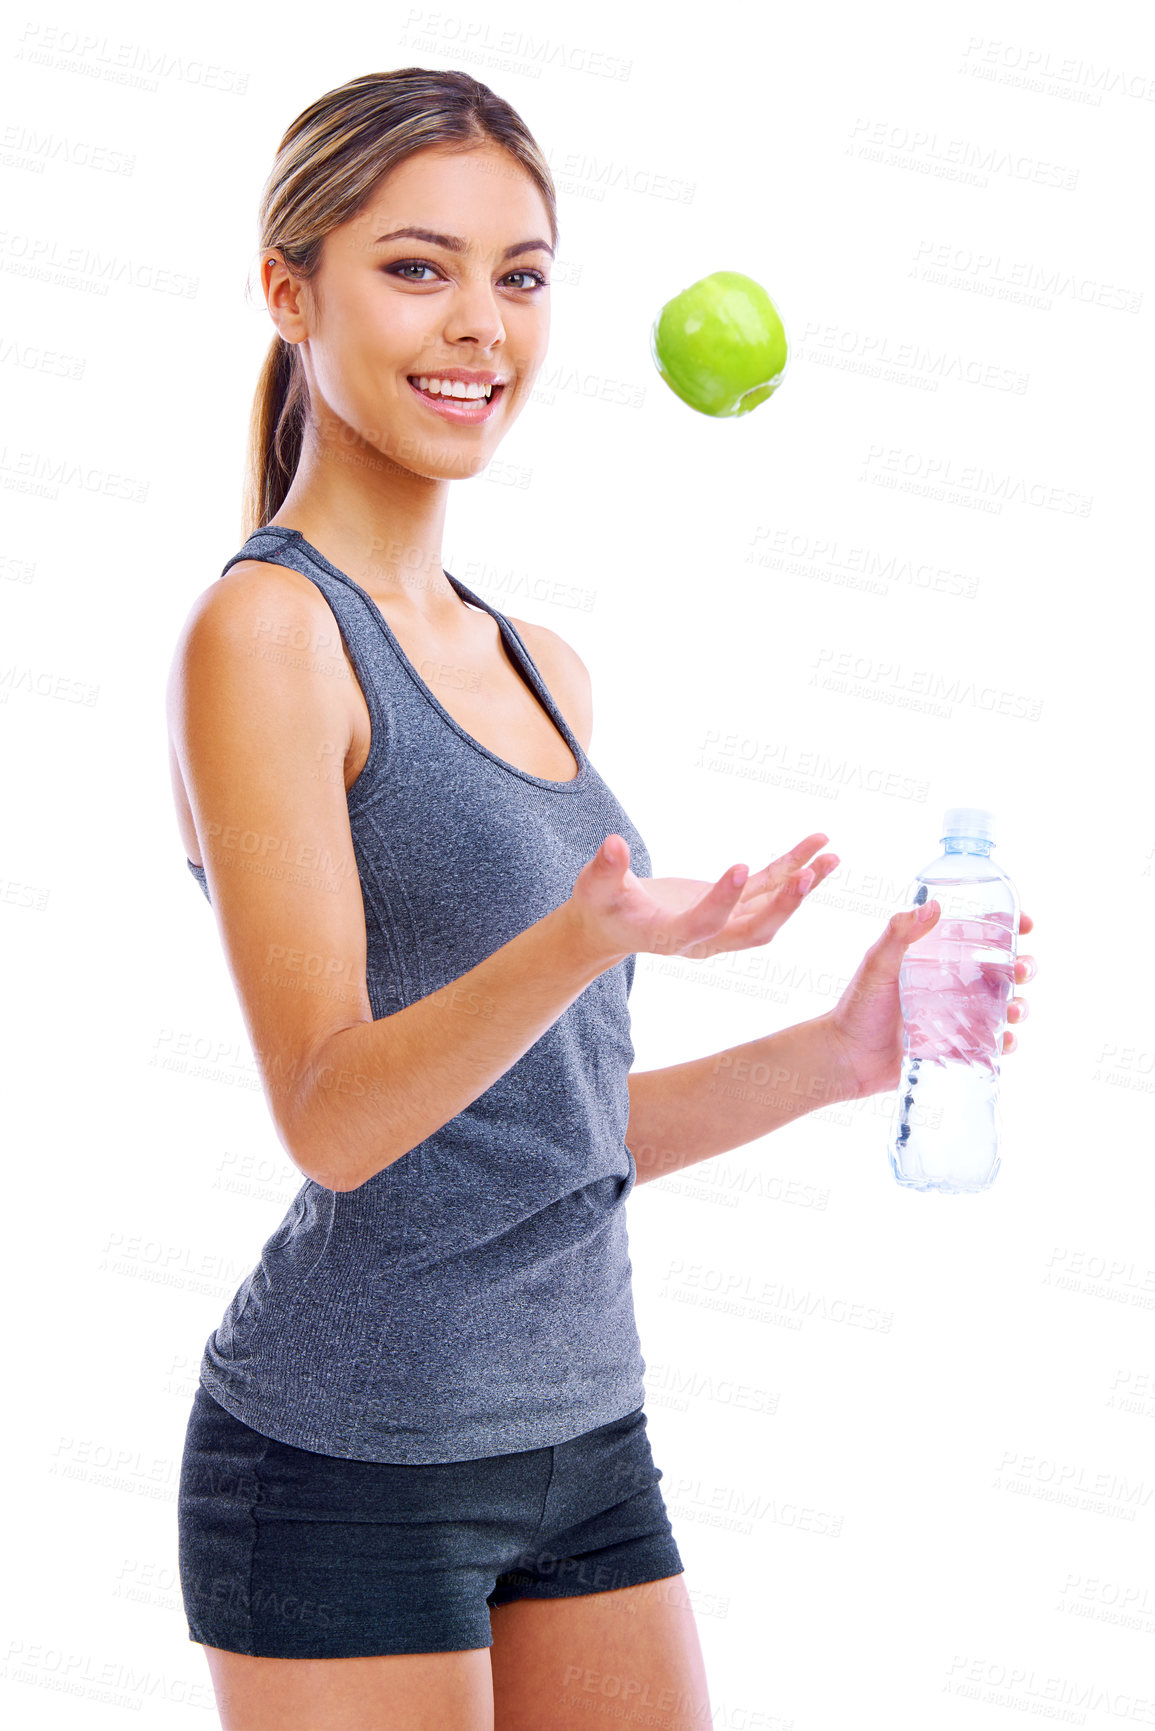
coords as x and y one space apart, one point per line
327 168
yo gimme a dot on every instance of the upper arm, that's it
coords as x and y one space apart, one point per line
566 675
260 733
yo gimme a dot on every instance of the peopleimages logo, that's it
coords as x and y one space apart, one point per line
513 49
827 560
888 681
1024 282
48 257
1025 1690
137 65
30 148
1051 74
952 158
909 363
782 763
590 176
942 476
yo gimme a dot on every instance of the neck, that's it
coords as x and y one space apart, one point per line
379 523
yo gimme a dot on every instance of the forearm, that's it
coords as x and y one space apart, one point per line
378 1088
692 1111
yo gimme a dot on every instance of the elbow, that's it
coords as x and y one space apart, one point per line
323 1121
333 1172
320 1159
335 1166
313 1161
310 1135
304 1101
307 1127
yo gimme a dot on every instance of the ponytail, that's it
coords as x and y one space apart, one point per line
276 432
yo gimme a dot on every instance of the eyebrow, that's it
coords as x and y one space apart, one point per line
453 244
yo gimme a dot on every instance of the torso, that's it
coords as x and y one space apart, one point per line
473 677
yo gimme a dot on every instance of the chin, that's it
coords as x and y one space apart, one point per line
435 464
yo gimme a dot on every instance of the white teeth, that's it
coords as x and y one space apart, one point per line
454 388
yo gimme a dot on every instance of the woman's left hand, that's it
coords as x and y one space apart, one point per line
866 1024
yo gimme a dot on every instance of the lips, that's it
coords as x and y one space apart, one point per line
466 410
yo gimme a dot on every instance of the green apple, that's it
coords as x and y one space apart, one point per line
720 344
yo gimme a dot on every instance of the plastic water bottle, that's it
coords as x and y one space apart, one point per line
954 986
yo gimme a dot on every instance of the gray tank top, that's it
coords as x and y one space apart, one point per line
474 1297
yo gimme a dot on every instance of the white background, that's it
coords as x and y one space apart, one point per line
944 1514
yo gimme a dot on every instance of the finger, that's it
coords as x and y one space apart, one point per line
1018 1010
711 911
771 881
1026 923
1029 969
801 851
815 872
760 923
758 918
779 870
1009 1041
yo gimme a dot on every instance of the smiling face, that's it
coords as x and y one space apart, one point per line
465 297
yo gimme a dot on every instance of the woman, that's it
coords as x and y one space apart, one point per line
417 1489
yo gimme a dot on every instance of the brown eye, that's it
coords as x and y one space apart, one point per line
410 264
538 280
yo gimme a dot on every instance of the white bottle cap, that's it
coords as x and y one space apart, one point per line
971 821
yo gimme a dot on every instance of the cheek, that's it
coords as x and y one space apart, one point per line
366 352
527 338
393 333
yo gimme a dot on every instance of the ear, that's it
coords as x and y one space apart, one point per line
286 297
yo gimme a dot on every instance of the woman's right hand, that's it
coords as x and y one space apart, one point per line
619 913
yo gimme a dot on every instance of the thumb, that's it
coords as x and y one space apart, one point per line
908 926
613 855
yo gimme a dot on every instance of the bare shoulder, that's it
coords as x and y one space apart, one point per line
271 617
255 584
565 673
259 659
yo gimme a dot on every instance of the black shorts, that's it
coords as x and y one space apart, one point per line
288 1554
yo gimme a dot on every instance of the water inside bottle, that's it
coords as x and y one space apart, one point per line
955 986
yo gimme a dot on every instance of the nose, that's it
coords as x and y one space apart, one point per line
474 316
